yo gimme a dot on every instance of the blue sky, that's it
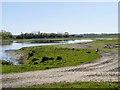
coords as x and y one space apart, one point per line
72 17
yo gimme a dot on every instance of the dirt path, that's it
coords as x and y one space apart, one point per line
103 69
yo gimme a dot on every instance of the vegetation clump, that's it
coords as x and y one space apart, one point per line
46 57
3 62
35 59
30 54
73 48
88 52
58 58
82 85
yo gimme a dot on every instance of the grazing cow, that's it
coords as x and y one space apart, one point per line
96 50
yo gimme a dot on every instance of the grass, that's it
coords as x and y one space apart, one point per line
94 44
56 57
3 62
70 56
101 43
20 68
78 85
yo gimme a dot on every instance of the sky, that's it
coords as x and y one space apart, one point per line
60 17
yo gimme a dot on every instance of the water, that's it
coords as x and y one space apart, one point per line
14 46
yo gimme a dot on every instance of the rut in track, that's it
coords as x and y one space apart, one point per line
103 69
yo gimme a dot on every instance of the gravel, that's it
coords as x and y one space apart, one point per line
101 70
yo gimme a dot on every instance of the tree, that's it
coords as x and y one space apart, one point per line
5 35
66 34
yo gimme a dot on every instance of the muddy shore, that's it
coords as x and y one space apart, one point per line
15 56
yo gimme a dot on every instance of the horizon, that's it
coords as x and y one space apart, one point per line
60 17
63 33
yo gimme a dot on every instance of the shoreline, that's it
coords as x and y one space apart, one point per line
15 56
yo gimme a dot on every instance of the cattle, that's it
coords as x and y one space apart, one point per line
97 50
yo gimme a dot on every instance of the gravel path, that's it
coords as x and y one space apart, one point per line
103 69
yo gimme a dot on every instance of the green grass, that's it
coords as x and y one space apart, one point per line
69 57
78 85
95 44
102 36
3 62
100 43
20 68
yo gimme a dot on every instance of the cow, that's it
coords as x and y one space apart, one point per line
97 50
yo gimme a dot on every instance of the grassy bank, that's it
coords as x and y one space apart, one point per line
103 45
46 57
78 85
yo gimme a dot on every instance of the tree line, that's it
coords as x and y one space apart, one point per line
42 35
7 35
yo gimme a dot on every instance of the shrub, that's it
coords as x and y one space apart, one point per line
5 62
44 59
73 49
51 58
59 58
88 52
33 51
47 68
35 59
30 54
35 63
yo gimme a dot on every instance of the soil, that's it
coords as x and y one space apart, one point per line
104 69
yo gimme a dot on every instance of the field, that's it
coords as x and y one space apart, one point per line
93 85
46 57
77 61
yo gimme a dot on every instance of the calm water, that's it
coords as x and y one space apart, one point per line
14 46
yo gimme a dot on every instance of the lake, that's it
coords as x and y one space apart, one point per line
14 46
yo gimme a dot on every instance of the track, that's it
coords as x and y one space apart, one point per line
104 69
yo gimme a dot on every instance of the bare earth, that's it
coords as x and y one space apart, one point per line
103 69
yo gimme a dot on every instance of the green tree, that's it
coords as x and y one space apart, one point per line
5 35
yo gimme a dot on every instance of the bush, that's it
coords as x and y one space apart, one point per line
88 52
47 68
44 59
5 62
51 58
73 49
35 63
35 59
30 54
33 51
59 58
